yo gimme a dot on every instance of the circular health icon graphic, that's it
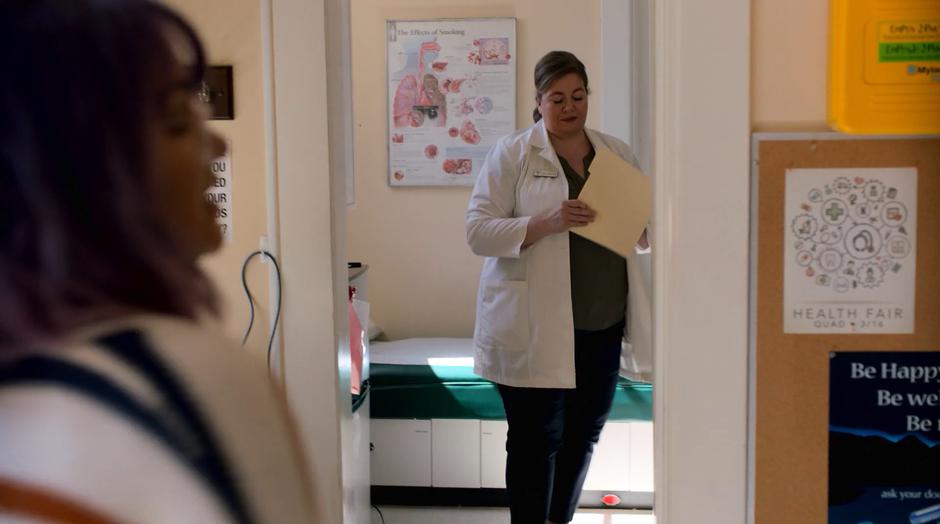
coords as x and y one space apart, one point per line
850 234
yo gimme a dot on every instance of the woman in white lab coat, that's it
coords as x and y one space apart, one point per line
553 308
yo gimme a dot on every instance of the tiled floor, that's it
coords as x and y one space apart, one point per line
409 515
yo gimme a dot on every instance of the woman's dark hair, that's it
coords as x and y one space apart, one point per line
81 236
553 66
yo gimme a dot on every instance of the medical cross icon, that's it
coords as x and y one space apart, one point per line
834 212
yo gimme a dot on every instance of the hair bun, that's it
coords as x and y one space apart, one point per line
536 115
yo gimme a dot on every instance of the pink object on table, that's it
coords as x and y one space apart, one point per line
355 349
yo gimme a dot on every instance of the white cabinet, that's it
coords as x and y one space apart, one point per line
460 453
455 453
641 456
623 459
611 462
493 453
401 454
356 478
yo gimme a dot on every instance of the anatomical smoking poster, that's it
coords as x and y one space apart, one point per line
451 95
851 246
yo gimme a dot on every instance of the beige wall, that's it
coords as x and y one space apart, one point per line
422 278
788 65
231 32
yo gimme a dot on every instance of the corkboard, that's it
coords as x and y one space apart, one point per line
790 382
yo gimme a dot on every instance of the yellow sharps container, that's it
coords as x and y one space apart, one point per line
884 66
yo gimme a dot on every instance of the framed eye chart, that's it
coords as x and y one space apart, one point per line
451 93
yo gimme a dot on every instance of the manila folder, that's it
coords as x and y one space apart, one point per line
622 197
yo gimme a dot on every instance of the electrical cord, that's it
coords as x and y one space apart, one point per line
251 300
376 508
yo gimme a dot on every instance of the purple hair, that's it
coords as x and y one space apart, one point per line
81 237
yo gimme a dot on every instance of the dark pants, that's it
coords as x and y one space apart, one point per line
552 432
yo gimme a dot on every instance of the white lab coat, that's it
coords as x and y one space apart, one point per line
524 332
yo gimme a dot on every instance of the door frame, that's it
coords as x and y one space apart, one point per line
701 151
700 163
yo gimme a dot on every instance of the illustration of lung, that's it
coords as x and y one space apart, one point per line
406 97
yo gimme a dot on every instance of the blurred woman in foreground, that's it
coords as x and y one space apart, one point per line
116 404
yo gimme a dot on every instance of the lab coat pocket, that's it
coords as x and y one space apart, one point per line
504 312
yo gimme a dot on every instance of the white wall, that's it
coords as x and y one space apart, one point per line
700 257
626 61
616 62
311 214
354 429
788 56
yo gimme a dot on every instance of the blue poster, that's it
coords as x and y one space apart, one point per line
884 438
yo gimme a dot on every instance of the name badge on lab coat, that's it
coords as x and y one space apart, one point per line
545 173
